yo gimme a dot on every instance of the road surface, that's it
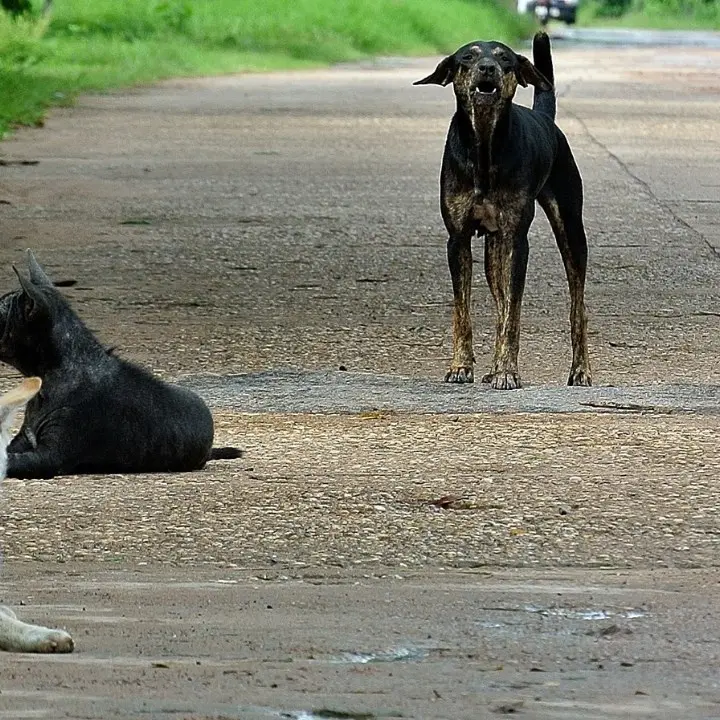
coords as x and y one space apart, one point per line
388 546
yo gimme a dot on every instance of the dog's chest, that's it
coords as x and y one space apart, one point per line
486 213
481 213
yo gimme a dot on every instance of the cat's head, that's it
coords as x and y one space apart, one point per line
36 322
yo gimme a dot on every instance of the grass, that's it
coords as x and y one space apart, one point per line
656 16
103 44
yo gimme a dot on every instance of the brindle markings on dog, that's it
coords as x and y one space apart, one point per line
499 159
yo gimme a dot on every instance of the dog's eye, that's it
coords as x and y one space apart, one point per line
467 57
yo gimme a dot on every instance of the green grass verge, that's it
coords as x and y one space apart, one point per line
654 16
103 44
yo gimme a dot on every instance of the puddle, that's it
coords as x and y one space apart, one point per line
570 614
320 714
582 615
325 714
397 655
629 613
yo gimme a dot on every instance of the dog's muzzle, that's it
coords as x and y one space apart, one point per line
486 81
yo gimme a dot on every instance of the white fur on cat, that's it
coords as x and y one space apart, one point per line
15 635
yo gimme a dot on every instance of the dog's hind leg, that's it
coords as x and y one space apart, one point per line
506 258
459 253
562 200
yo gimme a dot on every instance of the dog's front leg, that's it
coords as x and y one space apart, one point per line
506 257
459 253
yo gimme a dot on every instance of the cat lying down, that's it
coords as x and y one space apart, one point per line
15 635
96 413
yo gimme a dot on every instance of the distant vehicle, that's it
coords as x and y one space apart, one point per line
546 10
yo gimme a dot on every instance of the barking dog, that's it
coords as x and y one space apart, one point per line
15 635
95 413
499 159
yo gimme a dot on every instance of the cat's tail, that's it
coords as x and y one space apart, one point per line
225 453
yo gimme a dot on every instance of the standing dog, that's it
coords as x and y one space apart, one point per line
95 413
15 635
499 159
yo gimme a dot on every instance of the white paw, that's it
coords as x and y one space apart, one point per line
17 636
45 640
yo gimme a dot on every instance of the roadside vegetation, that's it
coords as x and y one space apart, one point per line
659 14
51 51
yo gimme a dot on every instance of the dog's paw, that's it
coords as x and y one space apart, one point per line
46 640
580 376
462 374
502 380
54 641
18 636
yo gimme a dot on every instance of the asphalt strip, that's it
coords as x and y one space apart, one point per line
290 391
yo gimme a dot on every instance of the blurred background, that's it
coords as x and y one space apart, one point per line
52 49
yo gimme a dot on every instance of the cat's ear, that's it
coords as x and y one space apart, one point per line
37 302
37 274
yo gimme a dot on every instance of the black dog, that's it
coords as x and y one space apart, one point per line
95 412
499 158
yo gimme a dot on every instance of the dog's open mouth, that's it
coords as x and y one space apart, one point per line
485 91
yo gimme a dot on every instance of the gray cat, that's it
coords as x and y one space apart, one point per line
96 413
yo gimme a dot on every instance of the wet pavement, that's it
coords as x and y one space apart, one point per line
371 644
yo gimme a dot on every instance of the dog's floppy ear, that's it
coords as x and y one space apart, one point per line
528 74
21 393
37 274
16 398
443 75
38 301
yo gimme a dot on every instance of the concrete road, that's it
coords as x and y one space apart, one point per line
634 37
388 546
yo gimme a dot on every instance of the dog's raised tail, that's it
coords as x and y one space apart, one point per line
225 453
544 100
